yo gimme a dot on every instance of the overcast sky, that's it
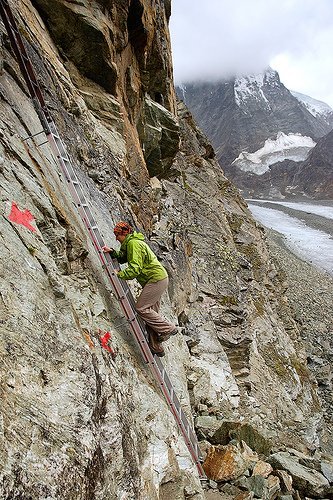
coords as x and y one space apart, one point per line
214 39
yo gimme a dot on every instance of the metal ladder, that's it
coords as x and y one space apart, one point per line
120 288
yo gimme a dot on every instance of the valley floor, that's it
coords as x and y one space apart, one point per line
307 228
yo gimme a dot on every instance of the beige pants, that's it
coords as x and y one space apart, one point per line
148 306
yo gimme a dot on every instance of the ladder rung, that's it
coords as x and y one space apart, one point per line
33 135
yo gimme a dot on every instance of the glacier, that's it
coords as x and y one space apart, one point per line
291 146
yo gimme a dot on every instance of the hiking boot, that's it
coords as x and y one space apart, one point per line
154 344
160 352
166 336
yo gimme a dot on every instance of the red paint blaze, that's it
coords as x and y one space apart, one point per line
23 217
104 341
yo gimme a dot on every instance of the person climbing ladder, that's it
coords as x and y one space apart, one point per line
151 275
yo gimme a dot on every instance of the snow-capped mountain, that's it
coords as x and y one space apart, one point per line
259 129
317 108
253 88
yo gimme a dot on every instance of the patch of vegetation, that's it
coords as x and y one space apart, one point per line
32 251
279 364
254 258
235 222
228 256
227 300
301 369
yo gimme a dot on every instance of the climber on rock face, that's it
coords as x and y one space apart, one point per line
152 276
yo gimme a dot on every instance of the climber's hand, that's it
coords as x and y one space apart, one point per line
107 249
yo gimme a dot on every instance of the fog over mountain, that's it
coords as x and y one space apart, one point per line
220 39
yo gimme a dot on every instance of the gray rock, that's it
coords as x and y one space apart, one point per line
305 479
159 134
259 486
242 432
327 470
206 425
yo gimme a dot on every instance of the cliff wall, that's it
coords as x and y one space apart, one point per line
76 423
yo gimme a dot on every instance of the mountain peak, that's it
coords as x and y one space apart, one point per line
252 87
315 107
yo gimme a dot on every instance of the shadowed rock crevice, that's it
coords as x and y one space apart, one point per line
238 354
81 41
94 473
137 33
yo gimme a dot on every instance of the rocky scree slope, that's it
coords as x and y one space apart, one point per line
74 422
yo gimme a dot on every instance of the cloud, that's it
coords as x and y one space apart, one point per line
217 39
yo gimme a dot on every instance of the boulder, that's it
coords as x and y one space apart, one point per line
306 480
262 468
224 463
286 481
206 425
159 135
260 487
242 432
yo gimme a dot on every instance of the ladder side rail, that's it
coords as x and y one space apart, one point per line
191 436
97 240
161 376
173 396
86 216
190 440
10 26
116 286
21 54
172 399
180 417
121 293
107 264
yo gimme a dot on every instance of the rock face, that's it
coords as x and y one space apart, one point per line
315 175
76 422
261 131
